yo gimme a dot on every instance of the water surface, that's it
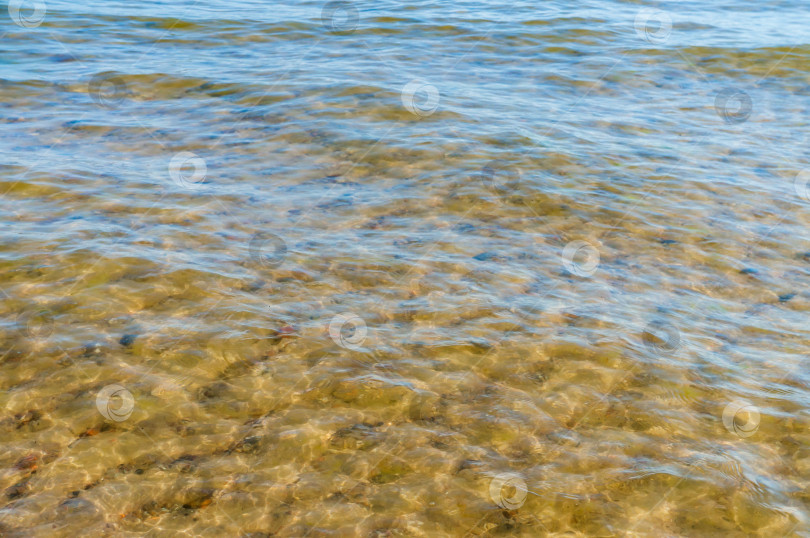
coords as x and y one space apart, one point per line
405 269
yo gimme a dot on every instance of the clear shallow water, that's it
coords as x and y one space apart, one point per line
256 279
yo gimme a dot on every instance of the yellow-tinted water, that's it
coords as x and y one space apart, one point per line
357 269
